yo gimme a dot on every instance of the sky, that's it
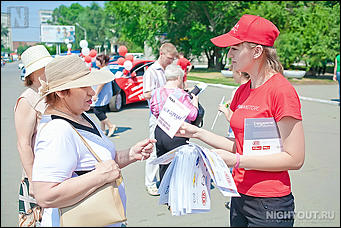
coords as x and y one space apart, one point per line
32 32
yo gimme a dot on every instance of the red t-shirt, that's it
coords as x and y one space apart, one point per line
275 98
184 63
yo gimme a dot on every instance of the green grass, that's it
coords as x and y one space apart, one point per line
223 80
214 77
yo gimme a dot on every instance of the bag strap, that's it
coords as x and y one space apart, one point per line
87 145
119 180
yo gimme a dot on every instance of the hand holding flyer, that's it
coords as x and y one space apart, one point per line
172 115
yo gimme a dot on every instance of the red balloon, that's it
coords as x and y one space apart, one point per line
129 57
92 53
120 61
125 72
87 59
122 50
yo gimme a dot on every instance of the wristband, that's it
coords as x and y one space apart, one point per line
237 163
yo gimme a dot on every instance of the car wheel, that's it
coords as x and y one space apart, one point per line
116 103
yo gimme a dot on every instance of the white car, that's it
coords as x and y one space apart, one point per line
23 70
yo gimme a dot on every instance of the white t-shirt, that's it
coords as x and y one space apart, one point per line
59 151
154 77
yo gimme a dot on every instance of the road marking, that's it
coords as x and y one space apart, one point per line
302 98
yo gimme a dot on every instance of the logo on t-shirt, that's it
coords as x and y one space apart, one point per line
248 107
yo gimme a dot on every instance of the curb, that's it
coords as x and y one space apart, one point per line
302 98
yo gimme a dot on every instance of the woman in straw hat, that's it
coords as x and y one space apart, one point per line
60 152
260 172
34 59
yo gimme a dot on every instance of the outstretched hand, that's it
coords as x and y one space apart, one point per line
229 158
142 149
187 130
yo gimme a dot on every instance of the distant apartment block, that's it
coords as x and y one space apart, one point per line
45 15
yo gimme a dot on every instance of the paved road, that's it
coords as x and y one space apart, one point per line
316 186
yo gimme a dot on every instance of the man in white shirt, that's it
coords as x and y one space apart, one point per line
154 78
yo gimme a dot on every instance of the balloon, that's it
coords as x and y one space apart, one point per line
120 61
128 65
85 51
83 43
87 59
69 46
125 72
129 57
122 50
93 53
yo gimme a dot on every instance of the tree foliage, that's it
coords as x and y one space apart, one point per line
191 25
310 30
4 34
138 21
92 18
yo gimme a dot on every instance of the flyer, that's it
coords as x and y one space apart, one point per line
261 137
172 115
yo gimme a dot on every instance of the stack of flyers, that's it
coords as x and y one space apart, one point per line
185 186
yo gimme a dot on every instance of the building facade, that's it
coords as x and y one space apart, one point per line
45 16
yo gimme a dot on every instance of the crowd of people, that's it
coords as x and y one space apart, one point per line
59 170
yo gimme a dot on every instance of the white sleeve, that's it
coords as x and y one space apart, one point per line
56 152
148 80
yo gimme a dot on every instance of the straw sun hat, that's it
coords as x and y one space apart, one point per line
35 58
67 72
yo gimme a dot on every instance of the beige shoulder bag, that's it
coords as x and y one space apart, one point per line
101 208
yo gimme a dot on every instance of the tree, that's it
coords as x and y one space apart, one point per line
137 22
92 18
193 23
4 34
310 30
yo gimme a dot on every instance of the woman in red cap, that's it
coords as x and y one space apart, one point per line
260 170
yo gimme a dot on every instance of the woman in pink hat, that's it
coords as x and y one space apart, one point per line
260 169
34 60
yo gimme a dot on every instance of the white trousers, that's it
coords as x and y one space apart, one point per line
151 170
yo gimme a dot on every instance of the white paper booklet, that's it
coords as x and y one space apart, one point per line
261 137
185 186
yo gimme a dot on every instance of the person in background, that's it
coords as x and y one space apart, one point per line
103 94
239 78
262 180
185 65
153 78
336 76
64 171
174 86
34 60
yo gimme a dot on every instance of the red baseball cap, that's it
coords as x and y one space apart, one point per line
249 28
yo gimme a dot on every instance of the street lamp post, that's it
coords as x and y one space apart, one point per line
83 30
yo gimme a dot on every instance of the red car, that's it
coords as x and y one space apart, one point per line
128 88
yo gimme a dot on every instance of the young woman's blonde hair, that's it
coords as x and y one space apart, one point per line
270 54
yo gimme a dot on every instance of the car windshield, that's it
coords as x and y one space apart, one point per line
139 69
